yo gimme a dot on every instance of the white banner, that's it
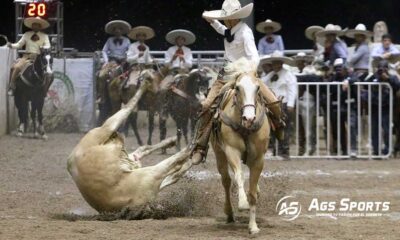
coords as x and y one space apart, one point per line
7 57
72 91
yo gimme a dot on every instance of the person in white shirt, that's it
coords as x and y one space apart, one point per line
284 84
33 41
139 52
178 58
239 42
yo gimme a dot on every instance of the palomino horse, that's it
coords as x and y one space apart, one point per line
120 93
184 101
242 135
109 178
32 86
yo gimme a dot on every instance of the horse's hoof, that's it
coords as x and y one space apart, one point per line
149 143
230 219
45 137
19 135
254 231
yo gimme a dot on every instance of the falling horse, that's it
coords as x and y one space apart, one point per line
242 135
184 101
120 91
31 86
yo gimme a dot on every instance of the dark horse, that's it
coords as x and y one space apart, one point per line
184 102
31 86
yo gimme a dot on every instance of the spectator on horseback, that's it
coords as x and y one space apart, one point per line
334 47
239 43
33 41
178 58
139 52
283 83
359 61
380 98
387 50
114 55
270 42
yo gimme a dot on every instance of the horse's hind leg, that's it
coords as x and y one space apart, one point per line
133 122
163 130
39 106
151 127
33 117
185 124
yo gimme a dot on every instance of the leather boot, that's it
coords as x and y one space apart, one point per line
277 119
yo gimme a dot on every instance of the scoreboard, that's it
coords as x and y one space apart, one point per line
43 9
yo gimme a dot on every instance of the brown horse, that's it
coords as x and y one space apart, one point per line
120 93
242 136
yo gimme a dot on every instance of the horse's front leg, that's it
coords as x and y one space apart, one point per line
33 117
256 168
133 122
233 156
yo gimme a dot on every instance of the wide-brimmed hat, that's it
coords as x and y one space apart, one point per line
302 56
360 29
278 56
123 25
28 22
148 31
231 9
312 30
188 35
264 59
331 29
268 23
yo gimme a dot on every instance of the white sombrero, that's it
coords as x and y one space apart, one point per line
331 29
302 56
360 29
188 35
268 23
311 31
123 25
28 22
278 56
231 9
148 31
264 59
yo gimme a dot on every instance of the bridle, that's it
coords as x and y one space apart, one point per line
236 101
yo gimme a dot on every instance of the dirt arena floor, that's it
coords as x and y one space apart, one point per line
39 200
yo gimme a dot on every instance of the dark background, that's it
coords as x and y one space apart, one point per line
85 19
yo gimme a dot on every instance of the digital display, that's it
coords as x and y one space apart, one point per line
37 9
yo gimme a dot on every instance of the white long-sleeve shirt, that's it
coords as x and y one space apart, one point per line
134 52
30 45
285 86
113 50
243 44
177 63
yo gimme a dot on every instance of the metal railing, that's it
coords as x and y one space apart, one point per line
331 115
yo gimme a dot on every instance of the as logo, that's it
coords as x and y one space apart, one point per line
288 209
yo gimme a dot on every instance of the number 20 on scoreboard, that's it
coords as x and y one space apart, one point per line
37 10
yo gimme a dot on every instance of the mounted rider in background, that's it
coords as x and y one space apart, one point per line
33 41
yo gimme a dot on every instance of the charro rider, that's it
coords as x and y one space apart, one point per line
178 59
239 43
139 52
33 41
114 54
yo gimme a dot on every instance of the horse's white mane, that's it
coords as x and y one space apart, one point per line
243 65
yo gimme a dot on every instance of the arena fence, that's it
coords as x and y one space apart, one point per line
328 128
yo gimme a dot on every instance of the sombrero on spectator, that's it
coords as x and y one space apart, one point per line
268 23
148 31
331 29
231 9
360 29
123 25
312 30
28 22
278 56
187 35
